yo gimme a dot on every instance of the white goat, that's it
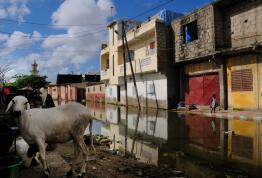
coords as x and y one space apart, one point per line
22 148
53 125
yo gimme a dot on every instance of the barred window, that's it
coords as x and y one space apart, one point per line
242 80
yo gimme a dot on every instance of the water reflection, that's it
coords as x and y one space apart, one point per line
198 145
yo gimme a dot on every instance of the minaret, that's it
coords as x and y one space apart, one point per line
34 70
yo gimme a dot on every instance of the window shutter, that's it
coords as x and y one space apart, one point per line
242 80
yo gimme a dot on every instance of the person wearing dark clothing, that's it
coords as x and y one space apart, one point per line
49 103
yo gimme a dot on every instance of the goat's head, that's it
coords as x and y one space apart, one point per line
18 105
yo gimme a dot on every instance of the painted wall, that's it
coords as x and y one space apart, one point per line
95 93
54 91
245 99
111 94
66 92
152 91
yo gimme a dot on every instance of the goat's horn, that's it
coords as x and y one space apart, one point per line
10 105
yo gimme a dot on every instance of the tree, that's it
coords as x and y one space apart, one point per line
34 81
3 70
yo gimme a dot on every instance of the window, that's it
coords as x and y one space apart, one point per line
100 88
150 50
110 91
88 90
152 125
151 89
242 80
113 36
94 89
113 65
190 32
107 63
54 89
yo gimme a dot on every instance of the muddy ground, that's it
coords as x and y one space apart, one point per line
104 164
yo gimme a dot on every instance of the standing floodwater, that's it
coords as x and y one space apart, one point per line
199 146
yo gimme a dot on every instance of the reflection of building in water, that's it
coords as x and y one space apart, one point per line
159 137
97 110
203 131
245 144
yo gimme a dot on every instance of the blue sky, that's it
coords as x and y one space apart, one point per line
65 36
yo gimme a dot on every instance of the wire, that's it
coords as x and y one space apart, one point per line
149 10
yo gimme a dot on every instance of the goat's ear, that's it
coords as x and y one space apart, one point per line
27 105
10 104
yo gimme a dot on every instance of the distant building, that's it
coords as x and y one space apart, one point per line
95 92
71 87
68 78
74 78
34 70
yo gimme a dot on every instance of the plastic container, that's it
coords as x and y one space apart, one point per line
10 166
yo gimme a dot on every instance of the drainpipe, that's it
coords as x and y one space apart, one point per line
225 86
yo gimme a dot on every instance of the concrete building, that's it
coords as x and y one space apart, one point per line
150 45
218 49
67 92
95 92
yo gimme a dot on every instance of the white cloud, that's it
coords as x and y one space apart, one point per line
64 52
22 65
80 43
17 40
14 8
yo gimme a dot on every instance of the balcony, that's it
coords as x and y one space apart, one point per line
144 65
104 74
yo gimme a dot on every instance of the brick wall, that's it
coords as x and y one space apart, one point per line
205 44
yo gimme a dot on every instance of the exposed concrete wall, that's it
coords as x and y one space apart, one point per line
205 44
242 23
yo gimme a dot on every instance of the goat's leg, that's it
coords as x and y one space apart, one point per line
41 146
91 136
84 150
76 156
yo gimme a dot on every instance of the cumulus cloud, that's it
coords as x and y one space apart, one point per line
14 8
17 40
85 24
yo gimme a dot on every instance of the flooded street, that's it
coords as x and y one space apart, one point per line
199 146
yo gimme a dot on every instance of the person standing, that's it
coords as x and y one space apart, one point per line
213 104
